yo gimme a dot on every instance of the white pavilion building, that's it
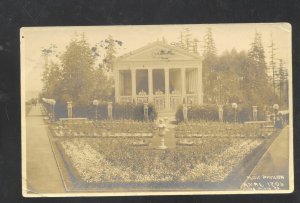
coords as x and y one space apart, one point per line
161 74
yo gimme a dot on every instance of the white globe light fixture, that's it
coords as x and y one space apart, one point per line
275 106
234 105
96 102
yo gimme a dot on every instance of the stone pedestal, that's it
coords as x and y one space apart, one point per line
162 144
70 109
254 111
109 110
221 115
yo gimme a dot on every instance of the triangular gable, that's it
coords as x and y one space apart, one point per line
158 51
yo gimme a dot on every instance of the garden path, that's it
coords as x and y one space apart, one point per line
170 140
275 161
43 175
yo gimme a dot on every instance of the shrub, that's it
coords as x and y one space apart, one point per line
179 114
210 113
199 112
120 111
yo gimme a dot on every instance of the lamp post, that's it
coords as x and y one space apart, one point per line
234 106
275 108
96 103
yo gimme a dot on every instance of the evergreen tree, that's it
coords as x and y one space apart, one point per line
103 86
77 72
209 47
46 53
195 45
273 65
52 81
187 39
186 42
209 65
282 83
255 75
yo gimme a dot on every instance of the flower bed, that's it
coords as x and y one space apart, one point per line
217 129
116 161
124 128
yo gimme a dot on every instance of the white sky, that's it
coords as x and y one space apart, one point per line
226 36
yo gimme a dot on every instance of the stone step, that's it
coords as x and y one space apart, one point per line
170 115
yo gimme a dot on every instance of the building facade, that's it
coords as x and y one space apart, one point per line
159 73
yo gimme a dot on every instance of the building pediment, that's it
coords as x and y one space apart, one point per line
158 51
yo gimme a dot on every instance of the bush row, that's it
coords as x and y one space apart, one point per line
209 112
119 111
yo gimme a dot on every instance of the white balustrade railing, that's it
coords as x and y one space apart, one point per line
140 99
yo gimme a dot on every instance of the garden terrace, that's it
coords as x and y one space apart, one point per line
113 128
116 161
219 129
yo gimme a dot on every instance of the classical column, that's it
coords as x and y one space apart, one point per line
200 85
117 85
133 84
183 85
167 88
150 84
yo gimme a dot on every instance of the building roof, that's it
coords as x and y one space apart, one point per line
159 51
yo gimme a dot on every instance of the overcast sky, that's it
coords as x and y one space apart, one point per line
226 36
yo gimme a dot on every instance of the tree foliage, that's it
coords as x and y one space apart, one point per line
76 77
108 49
255 75
77 72
236 76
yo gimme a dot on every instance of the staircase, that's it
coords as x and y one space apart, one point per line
169 114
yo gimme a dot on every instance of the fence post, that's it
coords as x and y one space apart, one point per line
220 110
70 109
109 110
254 108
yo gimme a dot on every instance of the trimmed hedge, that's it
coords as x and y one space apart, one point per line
209 112
120 111
198 112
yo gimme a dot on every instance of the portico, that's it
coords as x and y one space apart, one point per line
161 74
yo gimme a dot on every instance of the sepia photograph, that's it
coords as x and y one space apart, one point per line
157 110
